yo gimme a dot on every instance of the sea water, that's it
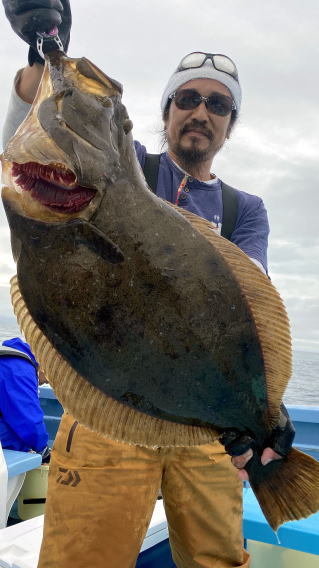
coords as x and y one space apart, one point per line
303 387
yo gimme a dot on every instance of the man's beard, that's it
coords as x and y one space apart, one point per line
191 157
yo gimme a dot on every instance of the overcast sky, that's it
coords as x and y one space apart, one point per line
274 149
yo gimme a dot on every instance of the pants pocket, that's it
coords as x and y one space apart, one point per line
70 436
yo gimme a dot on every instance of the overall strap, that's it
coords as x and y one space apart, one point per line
230 208
229 194
11 352
150 170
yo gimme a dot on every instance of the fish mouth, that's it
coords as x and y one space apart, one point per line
53 185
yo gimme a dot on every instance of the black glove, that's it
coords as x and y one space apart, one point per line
280 439
27 17
235 443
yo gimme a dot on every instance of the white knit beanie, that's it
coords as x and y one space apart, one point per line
206 71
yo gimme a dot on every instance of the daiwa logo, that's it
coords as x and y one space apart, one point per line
68 477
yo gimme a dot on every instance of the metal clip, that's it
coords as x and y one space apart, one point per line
41 39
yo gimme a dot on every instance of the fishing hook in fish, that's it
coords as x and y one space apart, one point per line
44 38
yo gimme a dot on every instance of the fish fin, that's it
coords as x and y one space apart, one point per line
296 480
77 231
90 236
267 309
91 71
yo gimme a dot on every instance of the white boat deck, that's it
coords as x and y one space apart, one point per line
20 543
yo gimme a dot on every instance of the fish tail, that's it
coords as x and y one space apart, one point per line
286 489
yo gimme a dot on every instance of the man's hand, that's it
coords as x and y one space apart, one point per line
239 462
279 443
27 17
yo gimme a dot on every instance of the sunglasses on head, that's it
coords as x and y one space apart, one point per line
216 103
220 62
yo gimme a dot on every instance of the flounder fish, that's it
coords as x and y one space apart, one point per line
151 328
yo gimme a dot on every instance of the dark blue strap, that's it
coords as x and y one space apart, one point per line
230 209
150 169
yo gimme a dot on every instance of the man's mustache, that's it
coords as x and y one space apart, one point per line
198 127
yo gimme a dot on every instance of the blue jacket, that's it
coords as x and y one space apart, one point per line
21 417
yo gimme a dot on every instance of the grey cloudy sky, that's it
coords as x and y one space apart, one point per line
274 149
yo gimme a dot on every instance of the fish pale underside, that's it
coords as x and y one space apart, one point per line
150 327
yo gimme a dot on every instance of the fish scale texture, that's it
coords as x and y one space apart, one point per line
114 419
94 410
267 309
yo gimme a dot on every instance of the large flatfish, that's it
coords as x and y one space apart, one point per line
150 327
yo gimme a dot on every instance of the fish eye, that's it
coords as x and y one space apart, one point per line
127 125
106 101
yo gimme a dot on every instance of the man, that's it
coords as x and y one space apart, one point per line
21 417
113 503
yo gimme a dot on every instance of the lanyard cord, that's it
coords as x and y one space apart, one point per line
181 187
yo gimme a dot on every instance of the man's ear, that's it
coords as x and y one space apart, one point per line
228 133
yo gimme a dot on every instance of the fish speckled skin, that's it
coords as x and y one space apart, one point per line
143 301
135 298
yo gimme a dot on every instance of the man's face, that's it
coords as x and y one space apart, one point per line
197 133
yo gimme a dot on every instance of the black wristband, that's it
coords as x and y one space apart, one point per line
283 434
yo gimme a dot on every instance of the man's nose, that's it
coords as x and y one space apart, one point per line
200 112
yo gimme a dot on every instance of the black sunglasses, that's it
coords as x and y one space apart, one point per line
216 103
